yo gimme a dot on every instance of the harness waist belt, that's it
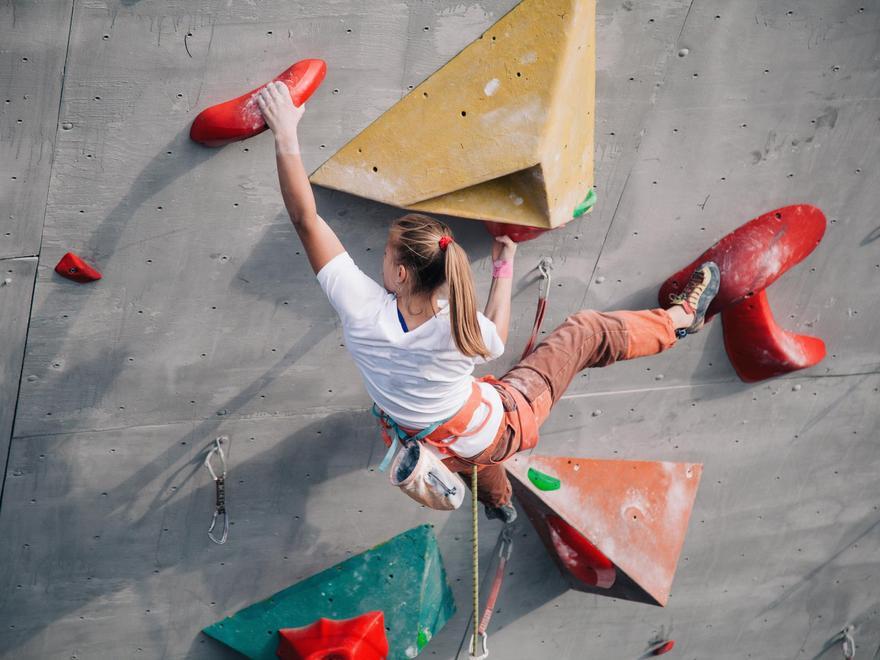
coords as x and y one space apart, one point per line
445 433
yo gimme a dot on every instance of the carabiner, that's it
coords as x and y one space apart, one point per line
506 542
220 492
447 491
847 643
544 267
483 651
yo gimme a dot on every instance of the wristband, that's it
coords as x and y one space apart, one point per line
502 269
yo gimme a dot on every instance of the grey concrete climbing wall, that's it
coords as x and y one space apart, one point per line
209 321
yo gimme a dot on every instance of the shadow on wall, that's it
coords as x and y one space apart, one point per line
162 525
268 502
100 246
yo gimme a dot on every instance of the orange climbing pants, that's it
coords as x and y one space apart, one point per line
586 339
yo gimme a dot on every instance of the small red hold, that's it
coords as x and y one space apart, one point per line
74 268
241 118
517 233
664 648
360 638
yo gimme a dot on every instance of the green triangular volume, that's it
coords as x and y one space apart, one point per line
403 577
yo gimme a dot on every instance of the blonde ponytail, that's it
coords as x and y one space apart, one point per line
416 238
463 304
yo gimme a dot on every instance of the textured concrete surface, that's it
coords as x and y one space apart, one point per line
209 321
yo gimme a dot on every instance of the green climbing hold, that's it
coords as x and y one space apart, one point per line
543 481
404 578
424 638
585 206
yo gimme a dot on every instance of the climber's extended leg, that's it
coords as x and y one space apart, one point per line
597 339
587 339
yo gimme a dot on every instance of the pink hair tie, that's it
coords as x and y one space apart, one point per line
444 242
502 269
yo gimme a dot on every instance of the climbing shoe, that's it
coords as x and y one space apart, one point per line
696 296
506 513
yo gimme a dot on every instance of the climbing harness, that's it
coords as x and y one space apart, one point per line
544 267
417 470
401 437
220 483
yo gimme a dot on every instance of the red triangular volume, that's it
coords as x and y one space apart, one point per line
74 268
614 527
758 348
241 118
360 638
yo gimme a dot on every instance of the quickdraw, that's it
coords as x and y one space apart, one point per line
847 643
544 267
220 483
479 645
504 550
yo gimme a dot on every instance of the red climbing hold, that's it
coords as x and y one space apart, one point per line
74 268
752 257
517 233
582 559
241 118
360 638
758 348
664 648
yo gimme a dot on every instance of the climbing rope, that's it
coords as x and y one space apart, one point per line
220 493
544 267
478 643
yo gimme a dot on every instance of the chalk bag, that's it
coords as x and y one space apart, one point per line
421 475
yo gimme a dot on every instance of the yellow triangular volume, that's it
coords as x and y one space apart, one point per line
503 131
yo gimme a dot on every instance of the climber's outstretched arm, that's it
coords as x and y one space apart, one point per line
319 240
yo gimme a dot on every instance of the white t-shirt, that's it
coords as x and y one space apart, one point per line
417 377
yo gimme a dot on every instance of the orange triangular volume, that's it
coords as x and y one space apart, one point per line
502 132
633 514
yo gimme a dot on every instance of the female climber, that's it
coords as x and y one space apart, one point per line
417 336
